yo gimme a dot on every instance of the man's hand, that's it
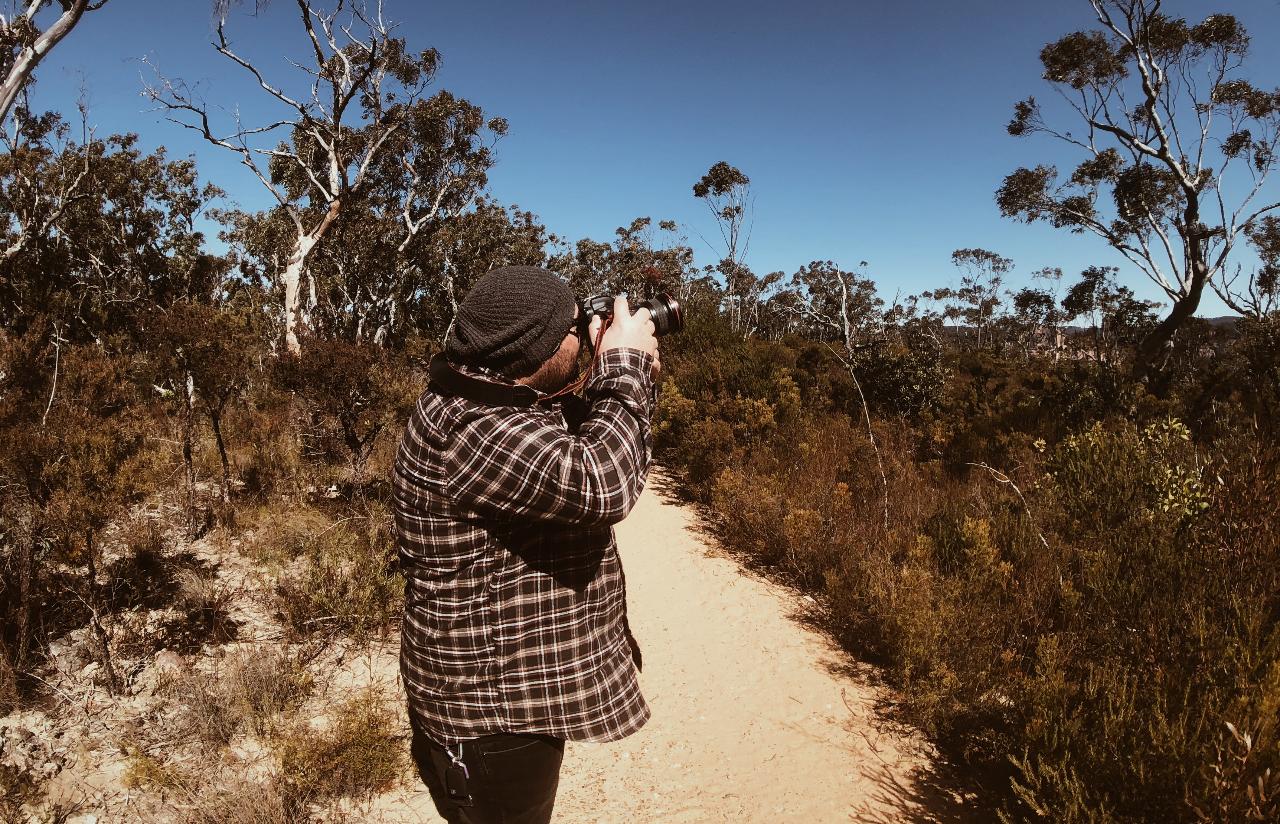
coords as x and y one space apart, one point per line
630 331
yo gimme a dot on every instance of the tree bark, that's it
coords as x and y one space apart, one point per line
1153 344
30 57
26 594
215 417
95 621
188 458
293 276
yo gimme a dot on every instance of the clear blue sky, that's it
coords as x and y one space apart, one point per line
871 130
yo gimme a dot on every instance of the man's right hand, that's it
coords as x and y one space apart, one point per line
628 330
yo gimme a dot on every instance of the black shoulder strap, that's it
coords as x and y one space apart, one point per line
447 380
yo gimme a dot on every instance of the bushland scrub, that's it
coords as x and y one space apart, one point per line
1069 575
179 599
1077 593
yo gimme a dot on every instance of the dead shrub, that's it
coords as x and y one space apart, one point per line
242 801
253 690
146 770
351 392
16 789
206 602
8 683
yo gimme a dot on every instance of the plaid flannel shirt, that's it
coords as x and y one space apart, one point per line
515 603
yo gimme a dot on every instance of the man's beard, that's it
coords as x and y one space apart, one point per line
555 374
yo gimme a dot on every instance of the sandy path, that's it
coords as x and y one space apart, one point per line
749 722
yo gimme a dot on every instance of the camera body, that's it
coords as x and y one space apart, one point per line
667 314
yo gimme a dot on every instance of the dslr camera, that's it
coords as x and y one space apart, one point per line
667 314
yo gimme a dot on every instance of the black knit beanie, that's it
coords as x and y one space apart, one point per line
512 320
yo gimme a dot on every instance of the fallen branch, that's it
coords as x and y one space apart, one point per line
1006 480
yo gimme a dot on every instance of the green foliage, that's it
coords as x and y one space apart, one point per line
639 262
352 392
1216 133
101 234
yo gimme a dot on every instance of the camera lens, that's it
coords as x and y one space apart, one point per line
667 315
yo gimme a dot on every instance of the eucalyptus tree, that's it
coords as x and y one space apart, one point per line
460 250
727 192
640 261
1177 150
977 299
361 119
842 309
386 251
95 233
1036 319
1116 317
1259 297
23 43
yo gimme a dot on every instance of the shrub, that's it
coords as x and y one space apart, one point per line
145 770
252 690
346 579
1096 634
205 601
244 801
265 437
352 392
359 755
8 684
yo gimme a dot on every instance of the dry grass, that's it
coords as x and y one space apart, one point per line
344 581
243 801
359 755
252 690
144 771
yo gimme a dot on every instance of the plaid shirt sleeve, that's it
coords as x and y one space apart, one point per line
529 467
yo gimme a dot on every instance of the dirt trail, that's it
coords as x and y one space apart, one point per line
751 722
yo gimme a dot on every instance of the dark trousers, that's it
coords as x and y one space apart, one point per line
512 778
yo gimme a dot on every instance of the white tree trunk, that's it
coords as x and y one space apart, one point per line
293 292
31 56
292 277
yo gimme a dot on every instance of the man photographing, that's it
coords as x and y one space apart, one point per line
515 634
